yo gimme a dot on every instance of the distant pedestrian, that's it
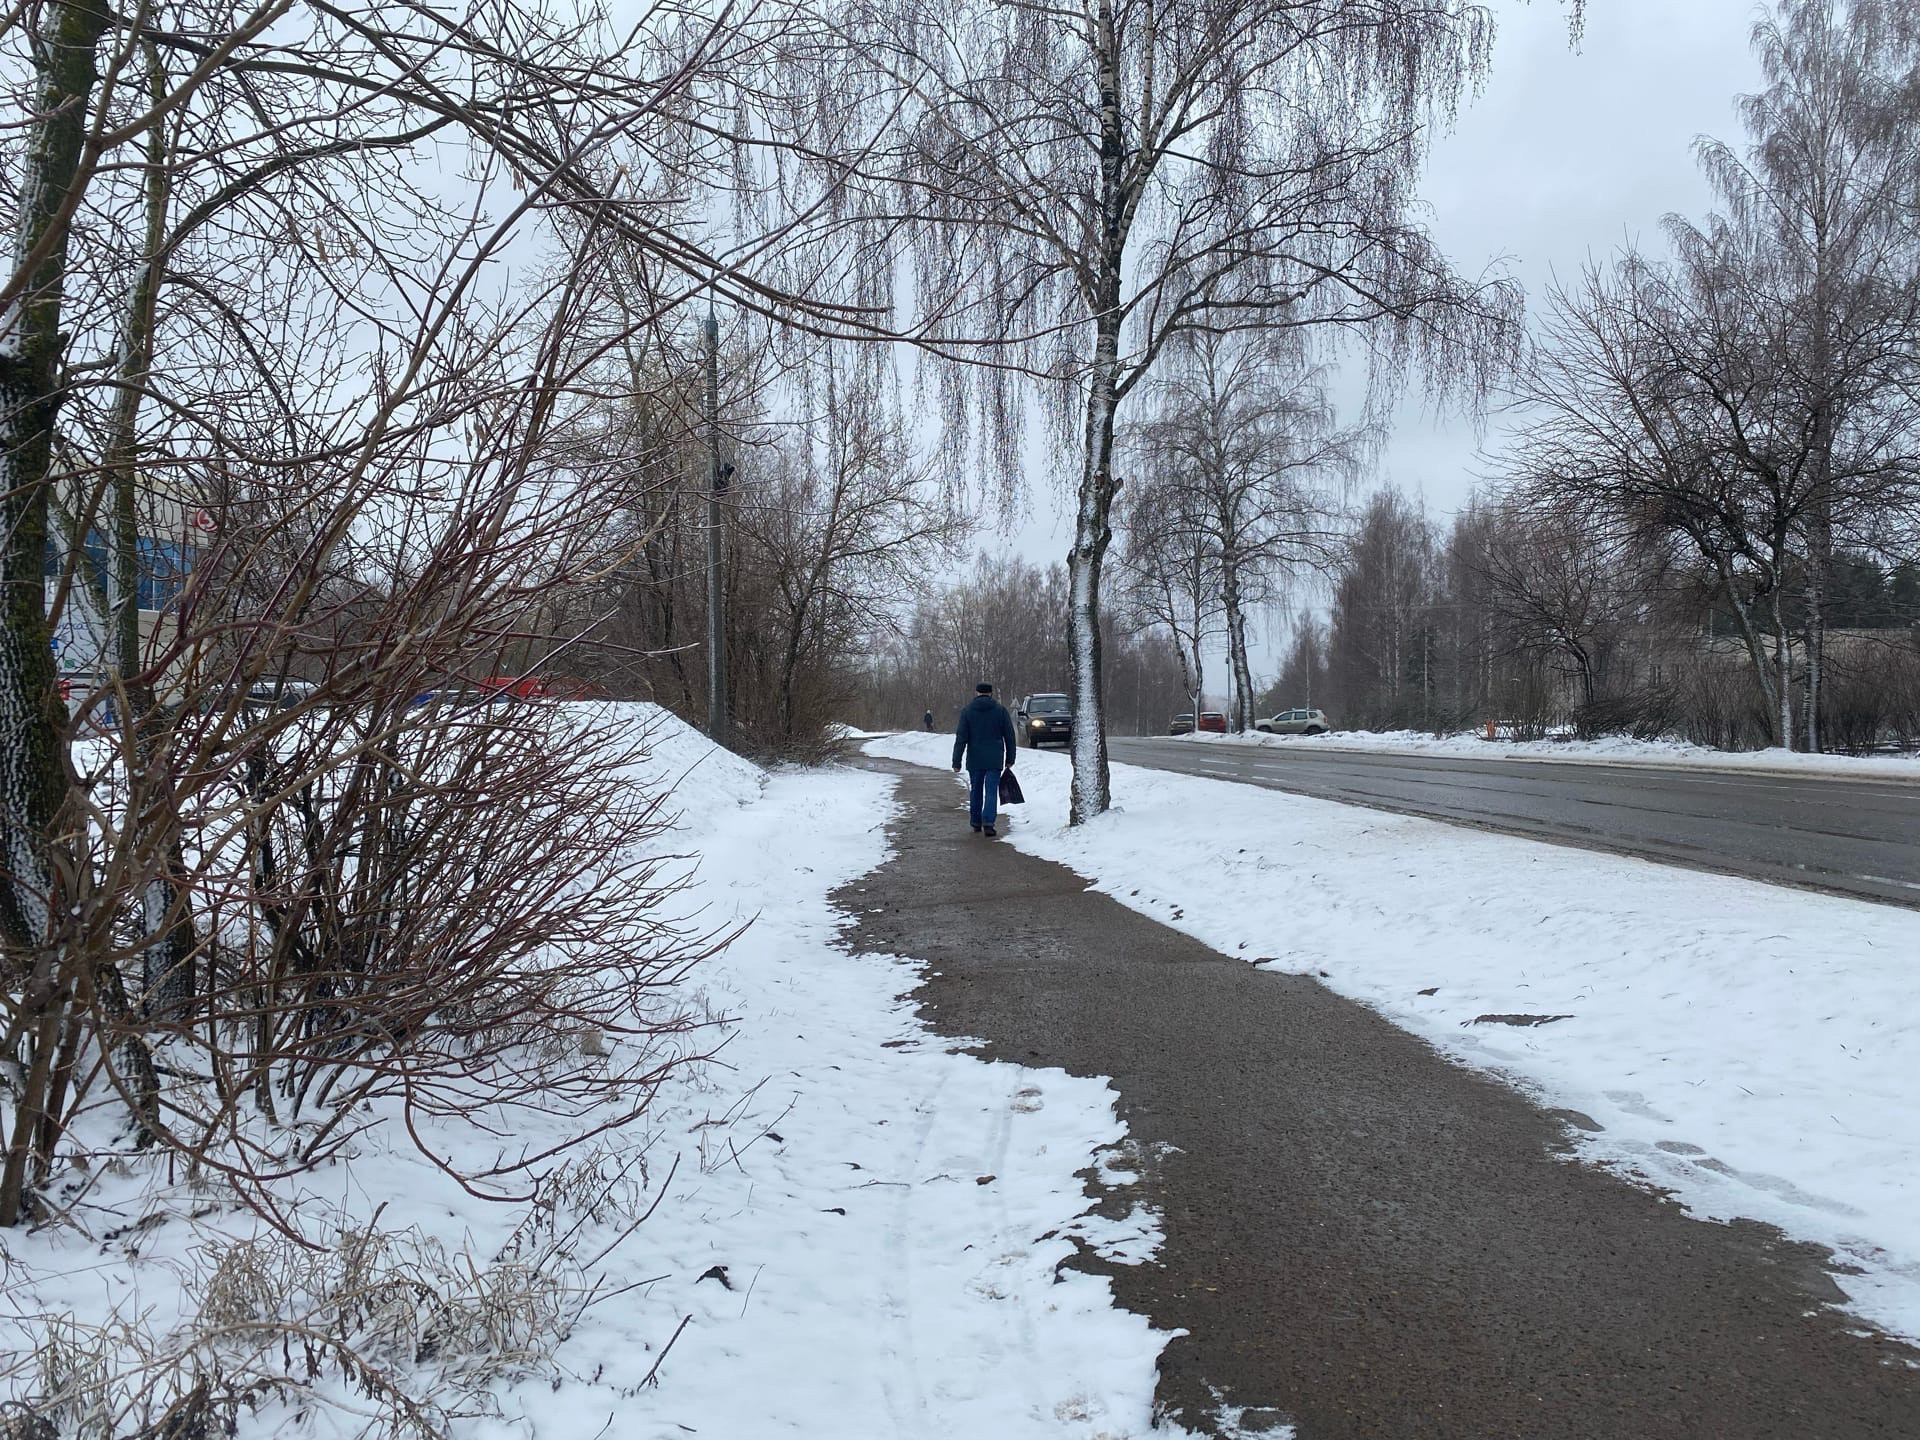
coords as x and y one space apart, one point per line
984 741
927 720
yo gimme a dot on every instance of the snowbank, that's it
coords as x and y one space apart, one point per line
830 1230
873 1199
1613 750
1755 1049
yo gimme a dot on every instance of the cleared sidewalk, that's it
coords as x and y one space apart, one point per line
1362 1239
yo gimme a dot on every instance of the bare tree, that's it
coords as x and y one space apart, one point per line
838 523
1647 378
1172 574
1822 232
1244 430
1381 641
241 317
1088 184
1302 680
1558 585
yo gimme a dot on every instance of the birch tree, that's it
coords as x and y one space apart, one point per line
1086 183
1172 575
1242 428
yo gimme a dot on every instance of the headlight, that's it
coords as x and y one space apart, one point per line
1037 723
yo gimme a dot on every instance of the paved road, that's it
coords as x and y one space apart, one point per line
1859 837
1362 1239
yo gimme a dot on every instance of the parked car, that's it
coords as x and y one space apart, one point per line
1211 722
1182 725
1295 722
1045 720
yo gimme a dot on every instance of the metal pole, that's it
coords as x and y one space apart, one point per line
717 717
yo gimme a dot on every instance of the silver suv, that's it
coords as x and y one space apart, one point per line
1295 722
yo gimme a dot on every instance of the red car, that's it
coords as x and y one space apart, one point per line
1211 722
541 687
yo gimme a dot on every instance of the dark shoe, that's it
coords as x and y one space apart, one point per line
976 829
991 832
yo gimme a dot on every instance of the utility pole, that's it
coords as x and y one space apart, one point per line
718 727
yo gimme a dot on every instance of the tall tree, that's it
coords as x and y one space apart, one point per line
1243 429
1822 227
1172 574
840 525
1647 395
1381 661
1088 183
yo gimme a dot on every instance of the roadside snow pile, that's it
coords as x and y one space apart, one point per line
706 782
1612 750
853 1226
1753 1048
828 1230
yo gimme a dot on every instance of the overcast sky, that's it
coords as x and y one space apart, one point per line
1570 153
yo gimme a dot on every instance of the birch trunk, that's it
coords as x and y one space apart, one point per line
1241 719
1819 568
1092 524
1092 533
1783 668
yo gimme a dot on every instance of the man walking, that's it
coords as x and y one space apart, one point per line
984 740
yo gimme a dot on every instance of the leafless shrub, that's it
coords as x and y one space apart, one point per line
1871 699
389 1329
417 910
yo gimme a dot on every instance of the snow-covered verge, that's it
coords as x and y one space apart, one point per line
836 1228
1755 1049
1612 750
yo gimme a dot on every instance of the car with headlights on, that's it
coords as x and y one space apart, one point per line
1045 720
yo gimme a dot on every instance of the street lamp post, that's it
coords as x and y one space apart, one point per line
718 473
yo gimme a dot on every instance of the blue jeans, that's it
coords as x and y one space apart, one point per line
983 796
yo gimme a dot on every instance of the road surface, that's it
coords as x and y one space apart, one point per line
1361 1239
1857 837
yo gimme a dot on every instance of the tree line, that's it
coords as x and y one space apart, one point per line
1005 621
1445 627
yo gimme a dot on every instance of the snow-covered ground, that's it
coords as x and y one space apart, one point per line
851 1232
1614 750
1755 1049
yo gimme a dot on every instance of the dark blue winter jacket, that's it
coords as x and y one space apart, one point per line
984 737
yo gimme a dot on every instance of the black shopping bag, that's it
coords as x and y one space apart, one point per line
1010 790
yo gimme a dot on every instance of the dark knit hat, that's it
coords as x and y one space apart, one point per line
985 687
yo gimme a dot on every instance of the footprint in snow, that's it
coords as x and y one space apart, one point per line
1027 1099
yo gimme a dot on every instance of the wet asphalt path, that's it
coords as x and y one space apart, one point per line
1362 1239
1857 837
